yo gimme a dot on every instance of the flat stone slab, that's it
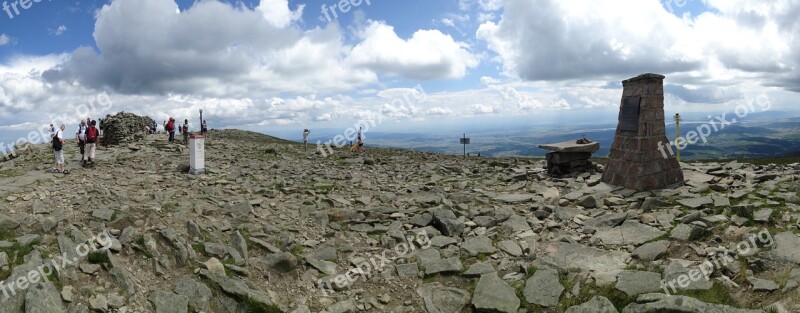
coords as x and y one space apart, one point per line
635 283
696 203
543 288
571 146
658 302
605 264
787 247
439 299
492 294
629 233
598 304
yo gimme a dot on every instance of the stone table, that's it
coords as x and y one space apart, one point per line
569 156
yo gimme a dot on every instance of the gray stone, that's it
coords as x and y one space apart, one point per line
43 298
762 215
675 275
510 247
7 223
479 269
696 203
447 223
283 262
120 277
657 302
763 285
198 294
407 270
492 294
346 306
651 251
167 302
478 245
636 282
543 288
326 267
598 304
100 303
605 265
652 203
629 233
605 221
440 299
240 244
239 288
687 232
103 214
447 265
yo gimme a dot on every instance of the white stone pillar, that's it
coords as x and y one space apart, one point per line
197 163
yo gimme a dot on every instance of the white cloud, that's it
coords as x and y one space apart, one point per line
4 39
428 54
736 41
278 13
60 30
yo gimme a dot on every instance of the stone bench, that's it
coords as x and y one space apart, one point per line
569 156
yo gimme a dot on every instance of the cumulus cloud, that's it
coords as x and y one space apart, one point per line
428 54
4 39
734 42
278 13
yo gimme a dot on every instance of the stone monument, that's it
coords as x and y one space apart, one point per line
635 161
570 156
197 163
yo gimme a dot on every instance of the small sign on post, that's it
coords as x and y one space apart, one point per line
464 141
197 155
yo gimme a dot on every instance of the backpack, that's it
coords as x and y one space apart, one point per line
91 135
57 145
171 126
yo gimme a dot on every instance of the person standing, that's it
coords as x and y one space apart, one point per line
204 128
185 131
92 134
58 150
81 137
52 131
305 138
171 130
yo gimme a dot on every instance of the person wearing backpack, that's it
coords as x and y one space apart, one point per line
81 137
92 135
58 150
171 130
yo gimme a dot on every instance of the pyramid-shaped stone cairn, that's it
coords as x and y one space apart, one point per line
635 161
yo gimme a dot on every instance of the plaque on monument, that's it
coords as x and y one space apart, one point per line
629 114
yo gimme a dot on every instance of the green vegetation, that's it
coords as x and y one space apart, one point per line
97 257
717 294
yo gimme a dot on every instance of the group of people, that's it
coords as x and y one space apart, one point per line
358 147
87 136
170 127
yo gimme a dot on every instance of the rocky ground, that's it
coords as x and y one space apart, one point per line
271 226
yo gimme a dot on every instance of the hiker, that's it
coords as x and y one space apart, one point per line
81 137
92 134
58 150
305 138
155 128
170 127
203 128
52 131
185 131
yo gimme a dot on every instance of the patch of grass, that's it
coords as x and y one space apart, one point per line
717 294
199 247
96 257
618 298
170 207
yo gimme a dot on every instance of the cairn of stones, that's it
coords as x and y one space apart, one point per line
635 161
124 128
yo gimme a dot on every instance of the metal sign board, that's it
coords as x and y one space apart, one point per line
629 114
464 141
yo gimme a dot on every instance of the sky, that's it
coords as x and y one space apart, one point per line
406 66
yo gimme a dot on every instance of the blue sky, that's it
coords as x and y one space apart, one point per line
279 65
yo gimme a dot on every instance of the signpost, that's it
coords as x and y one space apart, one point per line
201 121
464 141
677 135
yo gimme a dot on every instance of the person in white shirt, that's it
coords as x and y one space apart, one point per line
58 148
305 138
81 136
